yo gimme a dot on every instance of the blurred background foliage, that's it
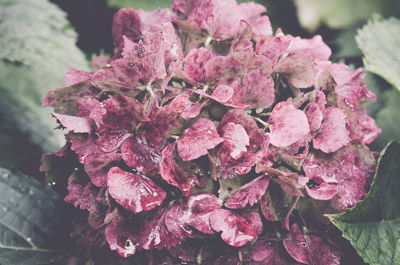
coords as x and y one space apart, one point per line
41 39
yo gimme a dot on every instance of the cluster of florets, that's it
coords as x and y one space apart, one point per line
206 131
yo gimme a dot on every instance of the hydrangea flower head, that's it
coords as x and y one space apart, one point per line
205 131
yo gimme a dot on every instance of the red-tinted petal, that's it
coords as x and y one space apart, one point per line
287 124
175 175
75 124
126 23
119 112
333 133
197 139
134 192
323 191
257 91
97 167
235 139
118 235
139 154
237 228
310 249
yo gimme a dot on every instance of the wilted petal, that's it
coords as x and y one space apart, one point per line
237 228
333 133
287 124
134 192
197 139
250 193
63 100
82 196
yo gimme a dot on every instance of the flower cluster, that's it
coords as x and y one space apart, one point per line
206 131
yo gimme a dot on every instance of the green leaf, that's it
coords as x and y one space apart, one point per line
373 225
346 43
37 47
146 5
339 13
379 41
388 119
29 219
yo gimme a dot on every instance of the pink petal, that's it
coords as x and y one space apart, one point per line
323 191
195 64
134 192
237 228
118 235
287 124
119 112
314 47
310 249
314 116
235 138
172 173
299 70
193 211
139 154
333 133
85 106
197 139
75 124
74 76
257 90
126 23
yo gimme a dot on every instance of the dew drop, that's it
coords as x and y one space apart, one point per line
28 239
131 63
31 192
304 244
108 65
